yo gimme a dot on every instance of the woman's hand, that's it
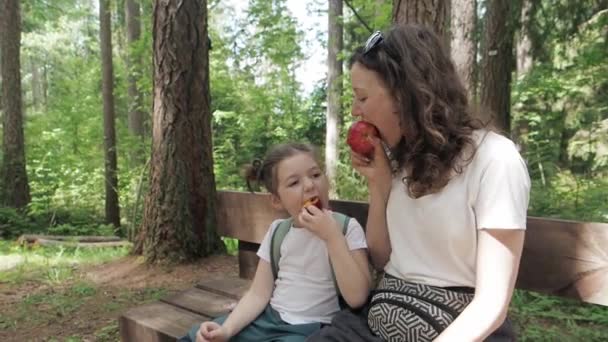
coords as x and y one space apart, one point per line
320 222
212 332
376 170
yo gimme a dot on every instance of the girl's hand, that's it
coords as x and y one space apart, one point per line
319 222
376 170
212 332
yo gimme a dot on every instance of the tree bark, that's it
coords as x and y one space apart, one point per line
463 44
15 188
524 43
36 86
334 90
136 115
497 62
109 133
432 13
179 215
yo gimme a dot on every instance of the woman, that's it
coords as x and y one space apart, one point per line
448 199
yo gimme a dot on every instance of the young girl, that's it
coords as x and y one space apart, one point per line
303 296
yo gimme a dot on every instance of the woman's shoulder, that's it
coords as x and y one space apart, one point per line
492 145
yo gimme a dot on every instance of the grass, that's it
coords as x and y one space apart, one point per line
62 294
50 265
539 317
54 293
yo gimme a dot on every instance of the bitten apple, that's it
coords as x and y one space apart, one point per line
313 201
360 138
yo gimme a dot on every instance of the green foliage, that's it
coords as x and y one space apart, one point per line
545 318
560 114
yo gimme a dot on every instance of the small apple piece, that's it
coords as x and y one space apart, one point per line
313 201
360 138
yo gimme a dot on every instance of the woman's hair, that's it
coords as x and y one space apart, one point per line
435 117
264 171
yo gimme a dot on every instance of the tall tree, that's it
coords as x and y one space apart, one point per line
524 43
463 45
432 13
15 188
136 115
497 61
179 214
109 132
334 89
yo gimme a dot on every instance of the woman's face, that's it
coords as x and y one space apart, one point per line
373 103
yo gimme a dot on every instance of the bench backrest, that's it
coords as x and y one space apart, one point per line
563 258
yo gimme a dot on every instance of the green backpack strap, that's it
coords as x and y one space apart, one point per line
279 235
343 222
275 244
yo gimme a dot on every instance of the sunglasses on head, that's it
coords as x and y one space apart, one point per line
373 41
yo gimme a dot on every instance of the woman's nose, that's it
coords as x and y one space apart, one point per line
355 110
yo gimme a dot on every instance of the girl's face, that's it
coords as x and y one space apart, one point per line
373 103
299 178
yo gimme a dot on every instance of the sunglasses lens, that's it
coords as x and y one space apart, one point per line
373 41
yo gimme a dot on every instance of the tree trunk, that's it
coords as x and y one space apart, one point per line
111 177
179 215
334 90
15 188
524 43
136 115
432 13
497 62
463 44
36 95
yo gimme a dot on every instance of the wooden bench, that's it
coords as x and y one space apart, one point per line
563 258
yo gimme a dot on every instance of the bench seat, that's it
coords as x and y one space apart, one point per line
173 316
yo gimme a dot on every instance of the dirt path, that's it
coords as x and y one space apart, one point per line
87 307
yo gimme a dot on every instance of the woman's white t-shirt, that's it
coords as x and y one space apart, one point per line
434 237
304 289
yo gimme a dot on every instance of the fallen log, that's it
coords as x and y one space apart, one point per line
31 238
45 242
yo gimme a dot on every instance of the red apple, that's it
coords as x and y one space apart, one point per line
360 138
316 201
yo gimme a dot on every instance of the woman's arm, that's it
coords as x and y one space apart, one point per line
376 231
378 173
253 302
498 255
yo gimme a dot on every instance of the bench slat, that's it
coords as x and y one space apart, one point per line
201 302
156 322
560 257
566 258
232 287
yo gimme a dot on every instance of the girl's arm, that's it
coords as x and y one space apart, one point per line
498 255
351 269
253 302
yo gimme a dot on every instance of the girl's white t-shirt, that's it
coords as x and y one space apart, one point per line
434 237
304 289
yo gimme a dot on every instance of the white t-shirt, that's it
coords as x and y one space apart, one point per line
434 237
304 289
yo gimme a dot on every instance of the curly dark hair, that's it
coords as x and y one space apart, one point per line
436 119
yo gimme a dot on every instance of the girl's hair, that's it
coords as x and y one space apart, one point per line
264 172
435 118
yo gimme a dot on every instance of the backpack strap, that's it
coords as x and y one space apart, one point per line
279 235
343 222
275 244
